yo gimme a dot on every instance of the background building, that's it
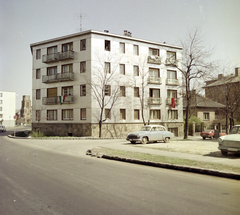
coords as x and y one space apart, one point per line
25 113
7 108
73 76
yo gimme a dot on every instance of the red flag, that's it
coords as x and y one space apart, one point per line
63 98
173 102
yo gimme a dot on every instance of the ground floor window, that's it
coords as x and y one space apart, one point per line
155 114
172 114
52 115
136 114
67 114
83 113
122 114
174 130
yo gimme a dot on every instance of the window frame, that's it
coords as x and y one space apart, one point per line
122 114
153 111
38 54
38 94
70 68
83 46
135 67
122 69
107 90
172 114
107 111
107 45
38 73
122 48
151 52
136 92
206 116
107 67
83 65
135 50
122 91
54 112
83 91
138 114
83 111
68 112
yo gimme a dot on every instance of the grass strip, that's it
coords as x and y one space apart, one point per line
166 160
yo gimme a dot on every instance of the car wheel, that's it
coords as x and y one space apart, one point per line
133 142
224 152
204 138
144 140
166 140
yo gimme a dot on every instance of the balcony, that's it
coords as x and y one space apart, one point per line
59 56
57 100
154 101
171 81
69 76
154 59
171 62
169 101
154 80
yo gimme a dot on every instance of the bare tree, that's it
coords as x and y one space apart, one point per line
105 87
193 65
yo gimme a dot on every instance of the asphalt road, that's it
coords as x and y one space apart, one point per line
42 181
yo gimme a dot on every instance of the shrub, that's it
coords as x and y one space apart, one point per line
37 134
197 124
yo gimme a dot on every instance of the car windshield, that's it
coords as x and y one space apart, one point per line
235 130
145 128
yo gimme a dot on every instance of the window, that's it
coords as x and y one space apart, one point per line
1 115
38 54
1 95
154 93
172 94
52 92
172 114
171 58
107 114
122 48
153 51
52 115
136 114
51 70
205 116
135 50
38 94
67 114
1 102
122 91
38 115
83 66
38 73
136 70
155 114
136 91
107 67
107 90
67 68
172 74
0 108
83 114
83 90
52 50
154 72
67 47
122 114
122 69
67 91
107 45
83 45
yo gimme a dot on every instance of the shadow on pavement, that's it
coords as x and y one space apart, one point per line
218 154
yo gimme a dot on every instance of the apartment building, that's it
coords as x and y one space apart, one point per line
7 108
76 76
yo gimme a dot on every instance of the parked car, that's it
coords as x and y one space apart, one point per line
210 134
150 133
231 142
2 128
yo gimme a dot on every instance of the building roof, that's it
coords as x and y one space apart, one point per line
203 102
104 34
222 80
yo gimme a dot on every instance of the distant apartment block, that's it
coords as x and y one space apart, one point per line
7 108
67 71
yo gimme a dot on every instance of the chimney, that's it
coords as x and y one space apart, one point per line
106 31
237 71
125 33
220 76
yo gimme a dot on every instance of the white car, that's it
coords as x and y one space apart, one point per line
231 142
150 133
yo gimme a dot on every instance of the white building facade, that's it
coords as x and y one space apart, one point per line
73 76
7 108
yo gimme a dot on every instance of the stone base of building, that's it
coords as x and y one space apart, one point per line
92 129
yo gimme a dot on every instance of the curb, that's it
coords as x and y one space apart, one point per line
175 167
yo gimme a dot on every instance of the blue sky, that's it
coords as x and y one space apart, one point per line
23 22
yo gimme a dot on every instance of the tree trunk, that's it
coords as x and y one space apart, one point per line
100 128
186 123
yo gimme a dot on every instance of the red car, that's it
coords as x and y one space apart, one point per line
210 134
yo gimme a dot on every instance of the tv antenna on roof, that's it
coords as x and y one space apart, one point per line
80 16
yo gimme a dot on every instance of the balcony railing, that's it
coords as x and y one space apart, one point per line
169 101
154 80
154 101
69 76
171 81
154 59
48 58
57 100
171 62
